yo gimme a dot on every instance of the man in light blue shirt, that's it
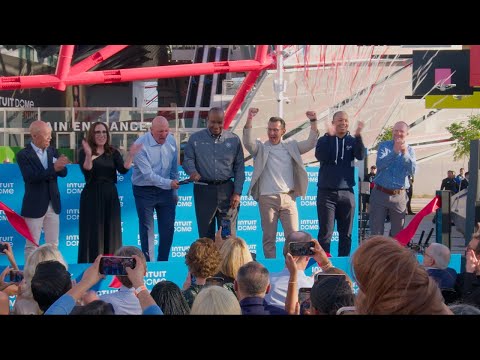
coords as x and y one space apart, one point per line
395 163
155 184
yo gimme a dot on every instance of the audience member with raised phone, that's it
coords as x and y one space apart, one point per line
115 265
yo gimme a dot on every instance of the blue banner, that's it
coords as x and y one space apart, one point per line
249 225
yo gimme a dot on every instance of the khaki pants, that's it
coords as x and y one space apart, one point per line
273 207
49 223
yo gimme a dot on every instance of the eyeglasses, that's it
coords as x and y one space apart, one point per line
101 132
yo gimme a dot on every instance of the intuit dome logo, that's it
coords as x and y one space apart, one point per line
312 176
155 241
7 239
247 201
6 188
309 225
280 237
252 248
71 240
75 188
155 276
335 236
12 102
73 214
120 198
247 225
248 176
179 251
183 226
308 200
3 217
185 201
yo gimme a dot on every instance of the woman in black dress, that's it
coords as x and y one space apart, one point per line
99 218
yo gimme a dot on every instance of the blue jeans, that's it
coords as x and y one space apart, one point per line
148 198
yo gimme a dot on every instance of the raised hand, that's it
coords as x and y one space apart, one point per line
400 146
86 148
359 129
135 148
311 115
252 112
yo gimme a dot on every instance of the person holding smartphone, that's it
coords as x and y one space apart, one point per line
279 176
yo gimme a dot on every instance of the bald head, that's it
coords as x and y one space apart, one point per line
41 134
160 129
37 126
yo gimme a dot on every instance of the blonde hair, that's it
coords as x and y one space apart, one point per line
44 252
234 254
215 300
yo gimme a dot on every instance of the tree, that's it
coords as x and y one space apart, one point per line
464 132
385 135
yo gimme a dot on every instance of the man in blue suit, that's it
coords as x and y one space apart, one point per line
40 165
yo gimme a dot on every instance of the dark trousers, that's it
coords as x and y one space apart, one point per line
365 201
148 198
409 201
212 203
336 205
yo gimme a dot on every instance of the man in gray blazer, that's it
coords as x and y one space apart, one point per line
279 176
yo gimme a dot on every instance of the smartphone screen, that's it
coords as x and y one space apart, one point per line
304 299
115 265
16 276
214 280
226 223
301 248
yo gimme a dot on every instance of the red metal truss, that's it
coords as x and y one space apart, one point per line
67 75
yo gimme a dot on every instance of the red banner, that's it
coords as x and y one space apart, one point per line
408 232
18 223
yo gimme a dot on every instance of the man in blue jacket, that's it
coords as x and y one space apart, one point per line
336 152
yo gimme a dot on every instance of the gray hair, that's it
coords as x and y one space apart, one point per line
441 254
253 279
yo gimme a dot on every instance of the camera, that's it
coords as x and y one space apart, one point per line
3 247
214 280
115 265
16 276
301 248
226 232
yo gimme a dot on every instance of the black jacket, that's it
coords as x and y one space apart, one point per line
336 156
40 184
